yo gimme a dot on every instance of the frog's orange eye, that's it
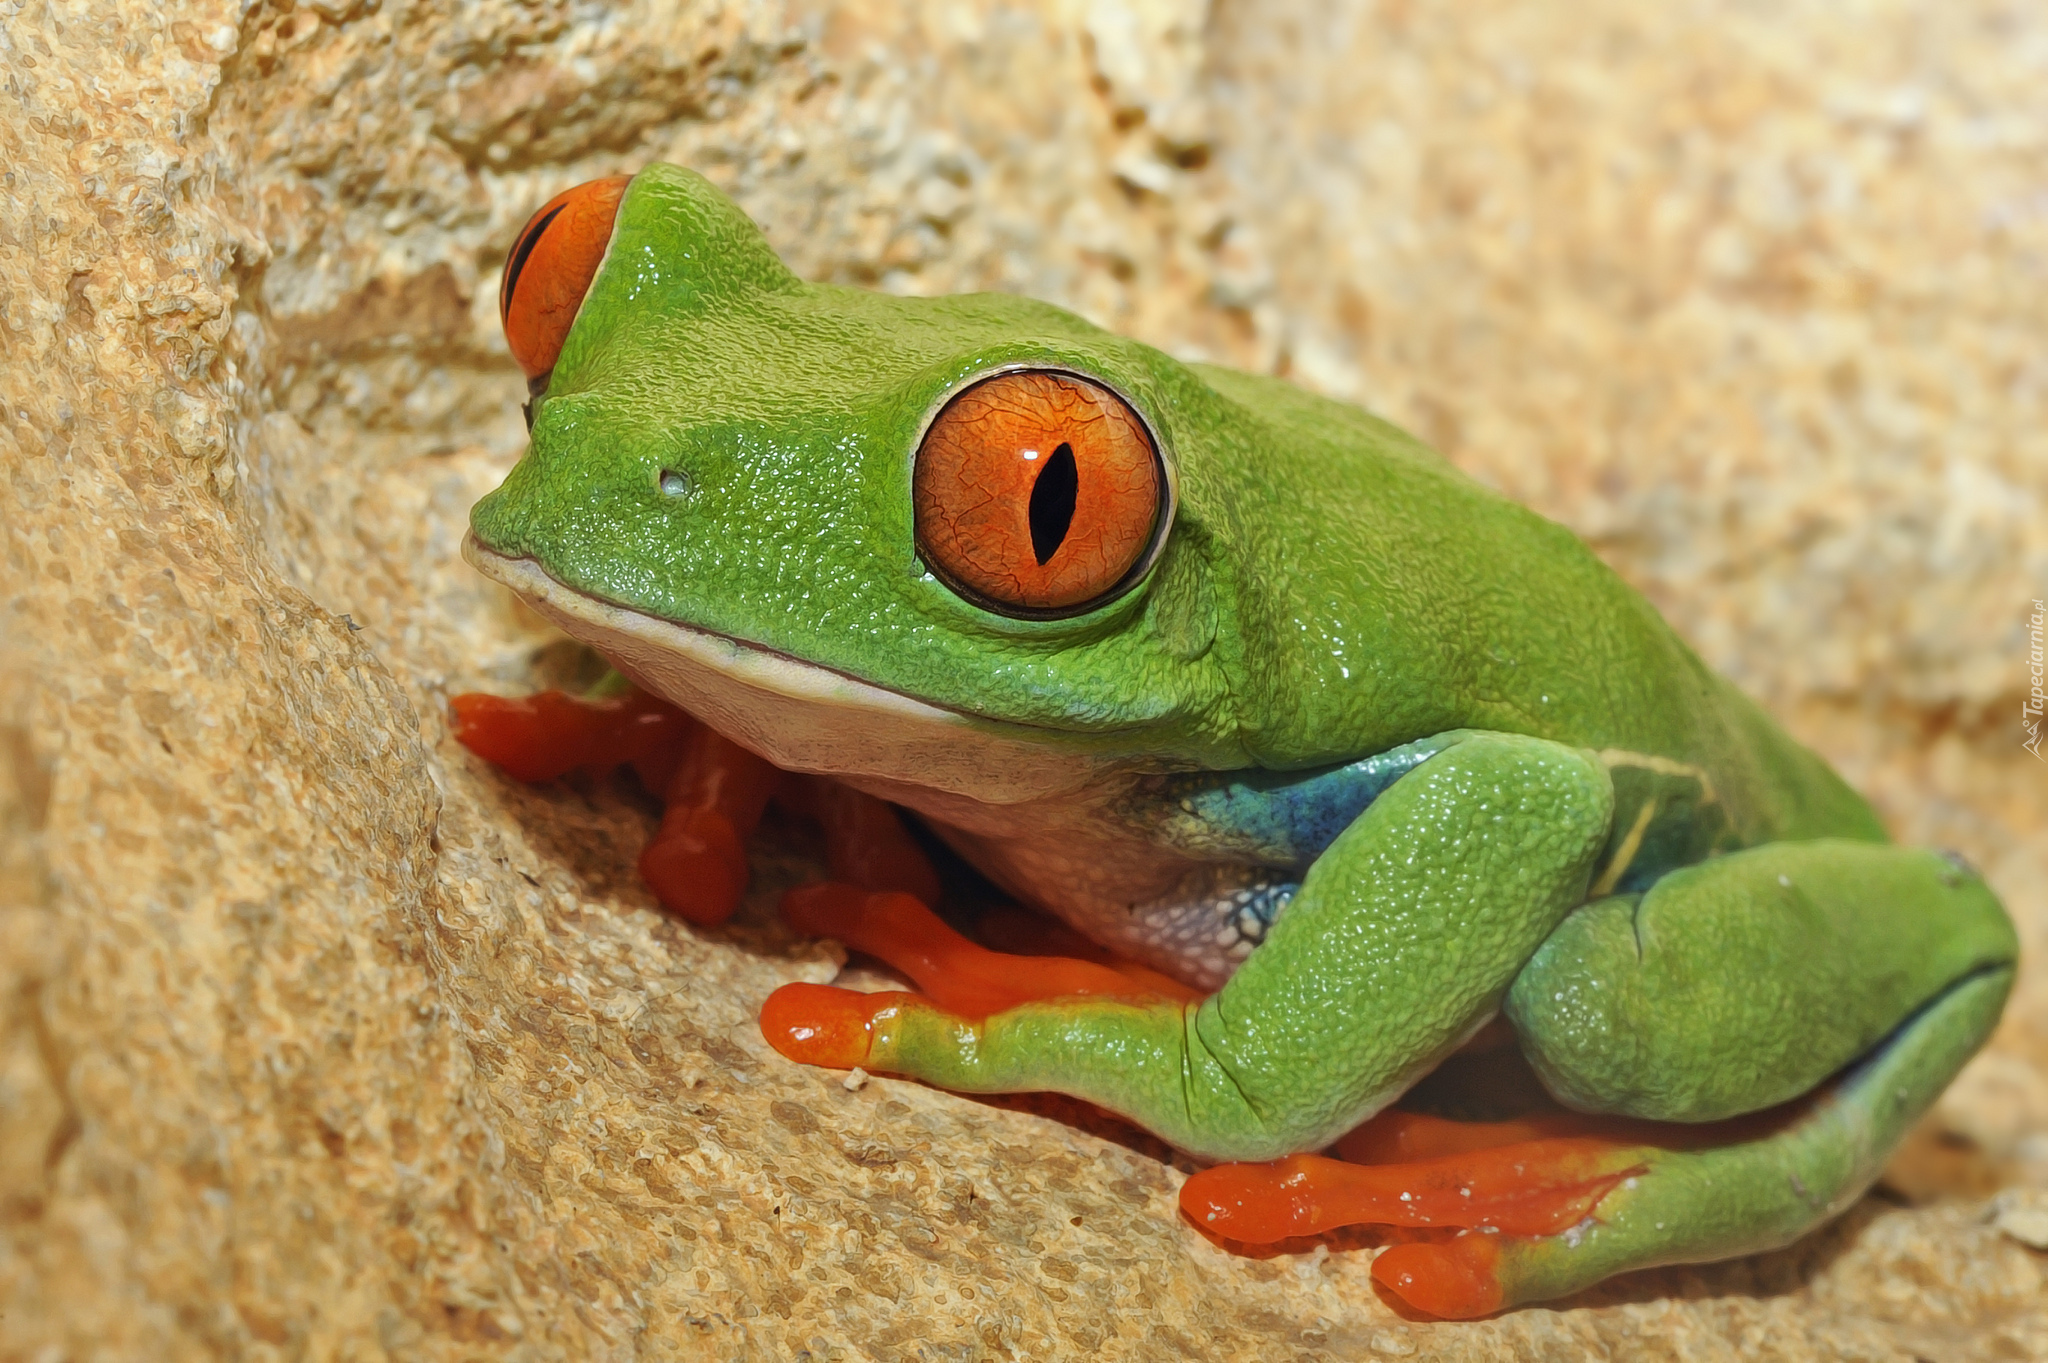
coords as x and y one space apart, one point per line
550 269
1038 494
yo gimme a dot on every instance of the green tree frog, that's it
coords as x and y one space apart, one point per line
1257 692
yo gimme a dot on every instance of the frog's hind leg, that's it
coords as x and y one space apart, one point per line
1731 987
1726 989
1692 1206
1548 1206
1742 982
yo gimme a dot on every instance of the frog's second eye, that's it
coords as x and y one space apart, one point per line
1038 494
550 269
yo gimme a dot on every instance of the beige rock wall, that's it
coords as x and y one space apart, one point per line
317 1040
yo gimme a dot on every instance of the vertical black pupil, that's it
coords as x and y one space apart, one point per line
519 255
1052 503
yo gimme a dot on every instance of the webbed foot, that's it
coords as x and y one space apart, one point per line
1494 1181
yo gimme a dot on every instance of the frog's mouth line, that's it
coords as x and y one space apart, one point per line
803 717
765 668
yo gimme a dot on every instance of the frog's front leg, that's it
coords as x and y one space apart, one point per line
1403 938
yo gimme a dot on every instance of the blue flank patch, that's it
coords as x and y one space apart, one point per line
1277 818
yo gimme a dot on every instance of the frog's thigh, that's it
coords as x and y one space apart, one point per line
1744 981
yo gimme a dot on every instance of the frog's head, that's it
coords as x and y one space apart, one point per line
954 543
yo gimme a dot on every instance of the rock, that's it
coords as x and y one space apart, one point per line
2022 1213
319 1039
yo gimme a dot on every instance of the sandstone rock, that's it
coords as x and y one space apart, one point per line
317 1039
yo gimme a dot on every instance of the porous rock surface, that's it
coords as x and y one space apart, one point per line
320 1040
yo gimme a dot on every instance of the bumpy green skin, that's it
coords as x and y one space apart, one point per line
1261 639
1655 1005
1330 590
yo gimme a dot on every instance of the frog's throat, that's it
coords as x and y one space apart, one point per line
807 718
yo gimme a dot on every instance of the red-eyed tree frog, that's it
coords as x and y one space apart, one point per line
1366 773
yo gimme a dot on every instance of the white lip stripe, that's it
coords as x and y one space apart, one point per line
807 718
764 668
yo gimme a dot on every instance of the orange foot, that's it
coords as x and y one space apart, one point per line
865 841
1491 1180
696 863
713 790
541 737
816 1024
1456 1280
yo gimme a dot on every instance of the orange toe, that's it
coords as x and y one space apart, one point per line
696 865
1456 1280
866 843
815 1024
1397 1137
1529 1188
549 734
956 974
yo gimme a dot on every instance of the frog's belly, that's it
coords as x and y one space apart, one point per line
1196 923
1194 920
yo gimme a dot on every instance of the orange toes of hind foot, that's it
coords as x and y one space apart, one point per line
1456 1280
816 1024
1530 1188
865 841
1497 1195
1258 1204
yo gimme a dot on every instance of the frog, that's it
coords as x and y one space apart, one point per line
1254 690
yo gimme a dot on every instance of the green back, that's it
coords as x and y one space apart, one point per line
1330 588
